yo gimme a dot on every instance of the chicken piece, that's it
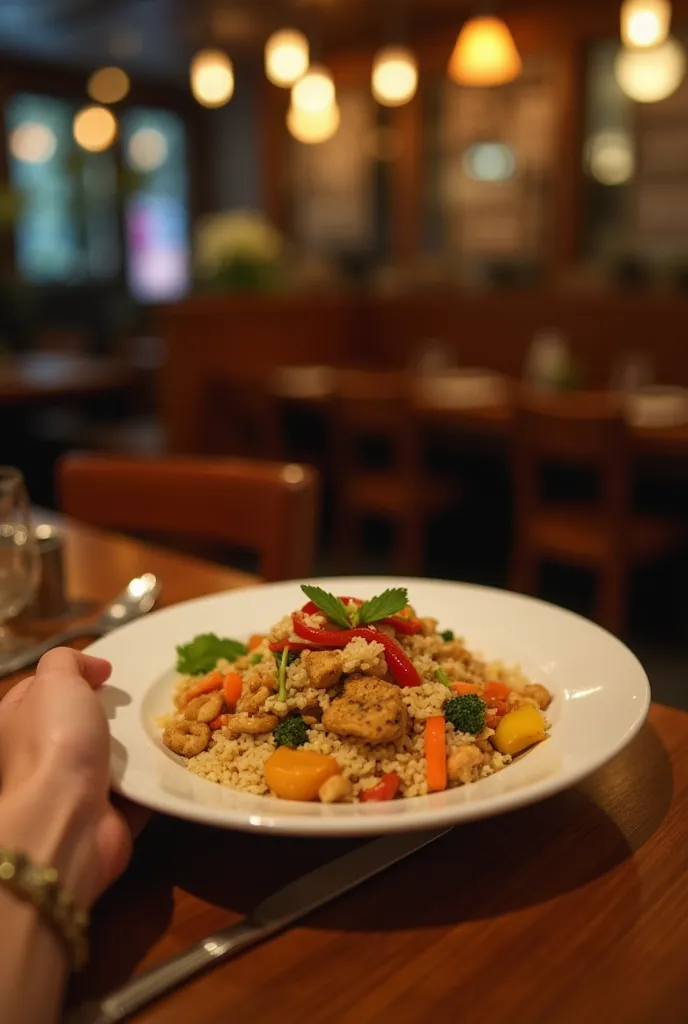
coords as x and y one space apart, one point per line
483 740
463 762
369 709
538 693
187 738
254 725
205 708
335 790
324 668
254 693
428 626
517 700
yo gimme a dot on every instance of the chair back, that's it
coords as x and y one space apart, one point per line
266 507
243 419
577 430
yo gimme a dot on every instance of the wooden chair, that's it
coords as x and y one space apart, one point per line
269 508
602 534
370 406
243 419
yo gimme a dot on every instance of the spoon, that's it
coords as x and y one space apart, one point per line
137 598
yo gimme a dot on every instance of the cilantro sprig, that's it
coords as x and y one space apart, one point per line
383 606
202 653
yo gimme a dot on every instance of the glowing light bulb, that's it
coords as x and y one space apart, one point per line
286 57
95 128
315 91
313 126
645 22
212 78
108 85
651 74
485 54
395 76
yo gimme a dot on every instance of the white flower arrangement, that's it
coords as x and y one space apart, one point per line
235 237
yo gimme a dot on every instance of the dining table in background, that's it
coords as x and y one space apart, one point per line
39 378
569 910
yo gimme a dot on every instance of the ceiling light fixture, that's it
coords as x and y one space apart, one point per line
212 78
645 22
395 76
651 74
314 92
311 126
95 128
287 57
485 54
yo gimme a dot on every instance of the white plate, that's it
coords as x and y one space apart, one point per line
601 698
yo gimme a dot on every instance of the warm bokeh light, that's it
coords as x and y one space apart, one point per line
95 128
286 57
212 78
315 92
653 74
610 157
485 54
32 142
645 22
147 149
395 76
313 126
108 85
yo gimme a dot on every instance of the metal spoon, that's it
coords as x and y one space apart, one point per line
137 598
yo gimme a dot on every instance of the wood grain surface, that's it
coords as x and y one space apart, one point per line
575 909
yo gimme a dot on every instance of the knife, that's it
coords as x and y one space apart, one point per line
273 915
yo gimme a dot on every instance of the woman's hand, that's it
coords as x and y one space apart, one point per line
54 766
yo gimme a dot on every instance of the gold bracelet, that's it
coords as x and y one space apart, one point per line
41 888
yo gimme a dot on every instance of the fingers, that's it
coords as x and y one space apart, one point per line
63 659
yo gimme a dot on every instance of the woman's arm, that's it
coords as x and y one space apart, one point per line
54 807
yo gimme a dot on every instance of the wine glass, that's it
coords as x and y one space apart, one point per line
19 557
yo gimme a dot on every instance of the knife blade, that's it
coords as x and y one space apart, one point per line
277 912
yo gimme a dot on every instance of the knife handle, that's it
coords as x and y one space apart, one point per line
125 1001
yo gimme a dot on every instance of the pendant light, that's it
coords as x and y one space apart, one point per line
485 54
395 76
212 78
313 126
645 22
94 128
314 92
653 73
287 57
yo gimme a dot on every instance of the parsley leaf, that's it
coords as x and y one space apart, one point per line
329 605
389 603
442 677
204 651
447 635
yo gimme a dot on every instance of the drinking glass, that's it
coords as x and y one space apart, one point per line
19 557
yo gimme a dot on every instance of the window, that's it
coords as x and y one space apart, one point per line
156 210
73 203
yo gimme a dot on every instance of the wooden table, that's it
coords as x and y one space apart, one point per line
573 910
42 377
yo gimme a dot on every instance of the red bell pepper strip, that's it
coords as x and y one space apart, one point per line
409 627
386 789
401 667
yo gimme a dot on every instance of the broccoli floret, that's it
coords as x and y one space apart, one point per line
447 635
291 732
466 713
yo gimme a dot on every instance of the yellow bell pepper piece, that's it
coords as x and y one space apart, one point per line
298 774
519 730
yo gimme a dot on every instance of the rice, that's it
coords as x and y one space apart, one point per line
238 761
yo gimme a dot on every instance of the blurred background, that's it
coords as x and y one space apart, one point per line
349 232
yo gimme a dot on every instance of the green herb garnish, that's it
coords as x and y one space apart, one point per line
202 654
291 732
389 603
335 610
255 658
447 635
284 658
442 677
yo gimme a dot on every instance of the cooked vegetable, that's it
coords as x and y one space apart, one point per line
499 690
291 732
331 606
218 722
403 670
386 789
496 709
442 677
466 688
466 713
519 730
203 653
208 685
447 635
232 688
283 659
436 753
298 774
255 641
256 658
